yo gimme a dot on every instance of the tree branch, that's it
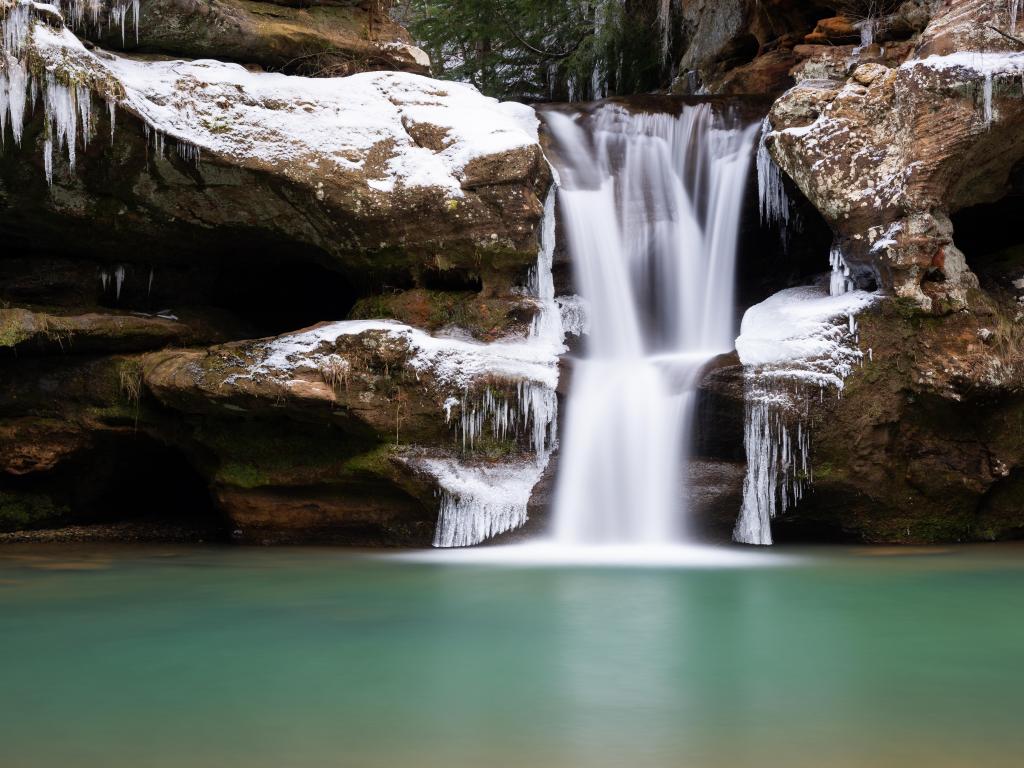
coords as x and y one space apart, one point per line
526 44
1007 35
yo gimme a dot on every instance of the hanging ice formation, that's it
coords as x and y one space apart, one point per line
67 107
840 281
771 192
867 29
1014 11
82 13
482 500
794 346
778 457
665 24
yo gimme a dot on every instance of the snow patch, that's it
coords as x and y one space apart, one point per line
796 342
797 334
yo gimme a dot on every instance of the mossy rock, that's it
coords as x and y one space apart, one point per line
482 317
22 511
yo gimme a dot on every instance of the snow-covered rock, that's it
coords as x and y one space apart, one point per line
899 149
386 163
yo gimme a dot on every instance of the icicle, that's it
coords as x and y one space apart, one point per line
665 25
149 285
840 282
48 160
84 98
14 86
119 281
112 110
867 29
771 192
1014 10
987 95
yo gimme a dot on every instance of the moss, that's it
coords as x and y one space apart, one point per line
12 330
242 475
374 462
19 511
254 454
484 318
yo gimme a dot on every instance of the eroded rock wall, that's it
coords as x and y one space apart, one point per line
159 217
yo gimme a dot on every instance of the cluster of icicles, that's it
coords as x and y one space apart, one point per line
776 439
478 503
532 411
778 459
68 108
82 13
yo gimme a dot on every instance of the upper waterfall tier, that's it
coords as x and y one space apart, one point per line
650 206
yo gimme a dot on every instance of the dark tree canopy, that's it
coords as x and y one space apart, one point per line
547 49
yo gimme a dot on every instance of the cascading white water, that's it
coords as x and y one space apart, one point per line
651 208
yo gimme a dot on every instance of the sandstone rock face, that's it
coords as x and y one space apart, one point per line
741 46
150 208
343 167
888 154
889 141
918 449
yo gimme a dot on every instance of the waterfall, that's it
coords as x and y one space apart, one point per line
650 205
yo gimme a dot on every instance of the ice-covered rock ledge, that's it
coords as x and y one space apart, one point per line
795 345
387 169
307 128
475 423
434 399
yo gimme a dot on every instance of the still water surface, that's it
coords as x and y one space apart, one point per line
128 657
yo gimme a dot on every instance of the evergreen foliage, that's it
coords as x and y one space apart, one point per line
536 50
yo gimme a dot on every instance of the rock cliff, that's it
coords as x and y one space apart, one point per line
894 136
173 215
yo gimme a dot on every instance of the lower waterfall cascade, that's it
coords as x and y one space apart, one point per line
650 209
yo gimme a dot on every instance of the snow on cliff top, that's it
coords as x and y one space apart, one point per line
984 62
803 333
272 119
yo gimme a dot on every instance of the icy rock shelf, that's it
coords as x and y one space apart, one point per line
989 67
478 500
799 343
304 126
